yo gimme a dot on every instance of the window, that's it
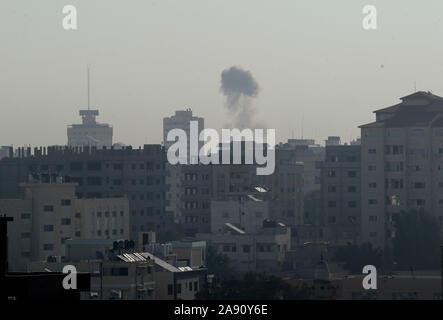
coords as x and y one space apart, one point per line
352 174
331 219
421 202
118 166
94 166
332 204
25 235
195 285
246 249
169 289
372 201
394 166
417 132
94 181
331 173
179 288
372 185
419 185
372 218
372 167
116 272
48 227
48 247
26 216
352 204
352 189
48 208
397 149
66 221
76 166
78 215
372 151
332 189
66 202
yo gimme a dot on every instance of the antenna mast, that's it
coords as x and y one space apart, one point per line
89 105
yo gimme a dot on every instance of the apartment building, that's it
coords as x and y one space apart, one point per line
50 213
308 153
283 188
189 196
402 164
138 174
247 214
261 251
340 194
181 120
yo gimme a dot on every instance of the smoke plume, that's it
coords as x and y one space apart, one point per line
240 88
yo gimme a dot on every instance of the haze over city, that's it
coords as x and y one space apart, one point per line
316 67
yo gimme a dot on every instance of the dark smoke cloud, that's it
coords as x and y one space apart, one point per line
240 87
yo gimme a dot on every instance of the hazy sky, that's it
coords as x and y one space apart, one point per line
149 58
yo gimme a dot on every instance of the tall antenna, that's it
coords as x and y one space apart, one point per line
89 105
302 123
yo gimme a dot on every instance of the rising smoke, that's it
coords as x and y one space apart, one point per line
240 88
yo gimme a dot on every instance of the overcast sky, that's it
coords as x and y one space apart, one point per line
312 60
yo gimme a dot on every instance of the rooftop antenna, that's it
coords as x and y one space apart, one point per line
302 123
89 105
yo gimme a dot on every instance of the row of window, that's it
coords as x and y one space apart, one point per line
349 204
107 233
97 166
192 286
149 212
350 189
332 173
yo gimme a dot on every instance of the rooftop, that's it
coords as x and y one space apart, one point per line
416 110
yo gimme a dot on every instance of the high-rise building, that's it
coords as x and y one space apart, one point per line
189 196
181 120
402 164
340 194
189 185
309 153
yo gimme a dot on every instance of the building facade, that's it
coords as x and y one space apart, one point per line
402 164
90 132
138 174
309 153
340 194
50 213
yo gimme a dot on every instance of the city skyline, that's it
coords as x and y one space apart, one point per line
293 50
